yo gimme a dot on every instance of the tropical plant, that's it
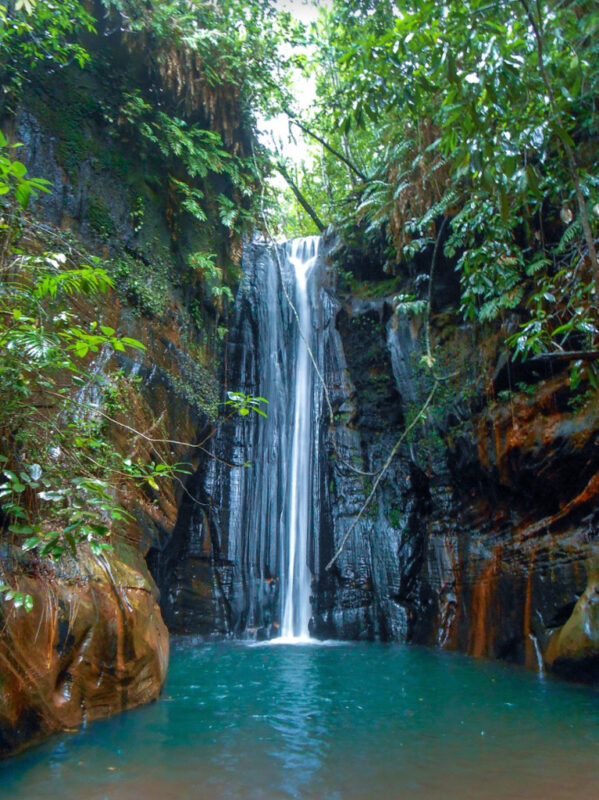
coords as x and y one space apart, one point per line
55 491
481 113
245 404
34 32
59 397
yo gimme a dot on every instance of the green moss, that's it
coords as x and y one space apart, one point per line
395 517
99 218
73 144
370 289
114 161
198 387
68 112
146 286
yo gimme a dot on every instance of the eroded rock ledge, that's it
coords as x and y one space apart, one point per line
94 645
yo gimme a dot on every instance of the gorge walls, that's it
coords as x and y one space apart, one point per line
493 497
480 535
94 642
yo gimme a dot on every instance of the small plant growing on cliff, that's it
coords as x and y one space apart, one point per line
18 599
244 404
409 304
203 265
55 517
14 183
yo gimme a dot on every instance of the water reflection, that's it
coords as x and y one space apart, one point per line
299 720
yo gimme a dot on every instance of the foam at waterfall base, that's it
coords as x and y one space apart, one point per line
294 641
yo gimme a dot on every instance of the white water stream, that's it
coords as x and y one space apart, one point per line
296 577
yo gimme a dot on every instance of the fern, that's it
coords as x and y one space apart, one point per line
537 265
408 304
572 231
84 280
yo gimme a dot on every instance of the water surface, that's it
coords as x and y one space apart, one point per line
339 722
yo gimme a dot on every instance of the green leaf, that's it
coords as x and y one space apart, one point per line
19 169
31 543
81 349
133 343
20 529
53 495
98 548
22 194
565 136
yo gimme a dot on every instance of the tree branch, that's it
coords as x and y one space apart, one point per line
326 145
572 165
300 197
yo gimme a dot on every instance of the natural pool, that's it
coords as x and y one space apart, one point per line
336 722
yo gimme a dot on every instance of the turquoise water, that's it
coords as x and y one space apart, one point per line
339 722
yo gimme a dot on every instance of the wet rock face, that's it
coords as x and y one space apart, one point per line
498 514
94 644
528 527
478 537
361 596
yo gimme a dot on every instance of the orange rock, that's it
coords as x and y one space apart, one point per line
94 644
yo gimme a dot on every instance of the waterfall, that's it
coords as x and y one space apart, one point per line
265 516
280 494
295 577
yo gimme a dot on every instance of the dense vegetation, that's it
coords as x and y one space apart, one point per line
173 133
457 130
471 126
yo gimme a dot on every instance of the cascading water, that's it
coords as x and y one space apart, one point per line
265 515
296 576
280 495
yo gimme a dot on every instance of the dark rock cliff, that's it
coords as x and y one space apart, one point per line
498 514
483 535
480 536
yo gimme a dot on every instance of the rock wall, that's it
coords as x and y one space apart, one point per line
481 534
95 642
506 566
